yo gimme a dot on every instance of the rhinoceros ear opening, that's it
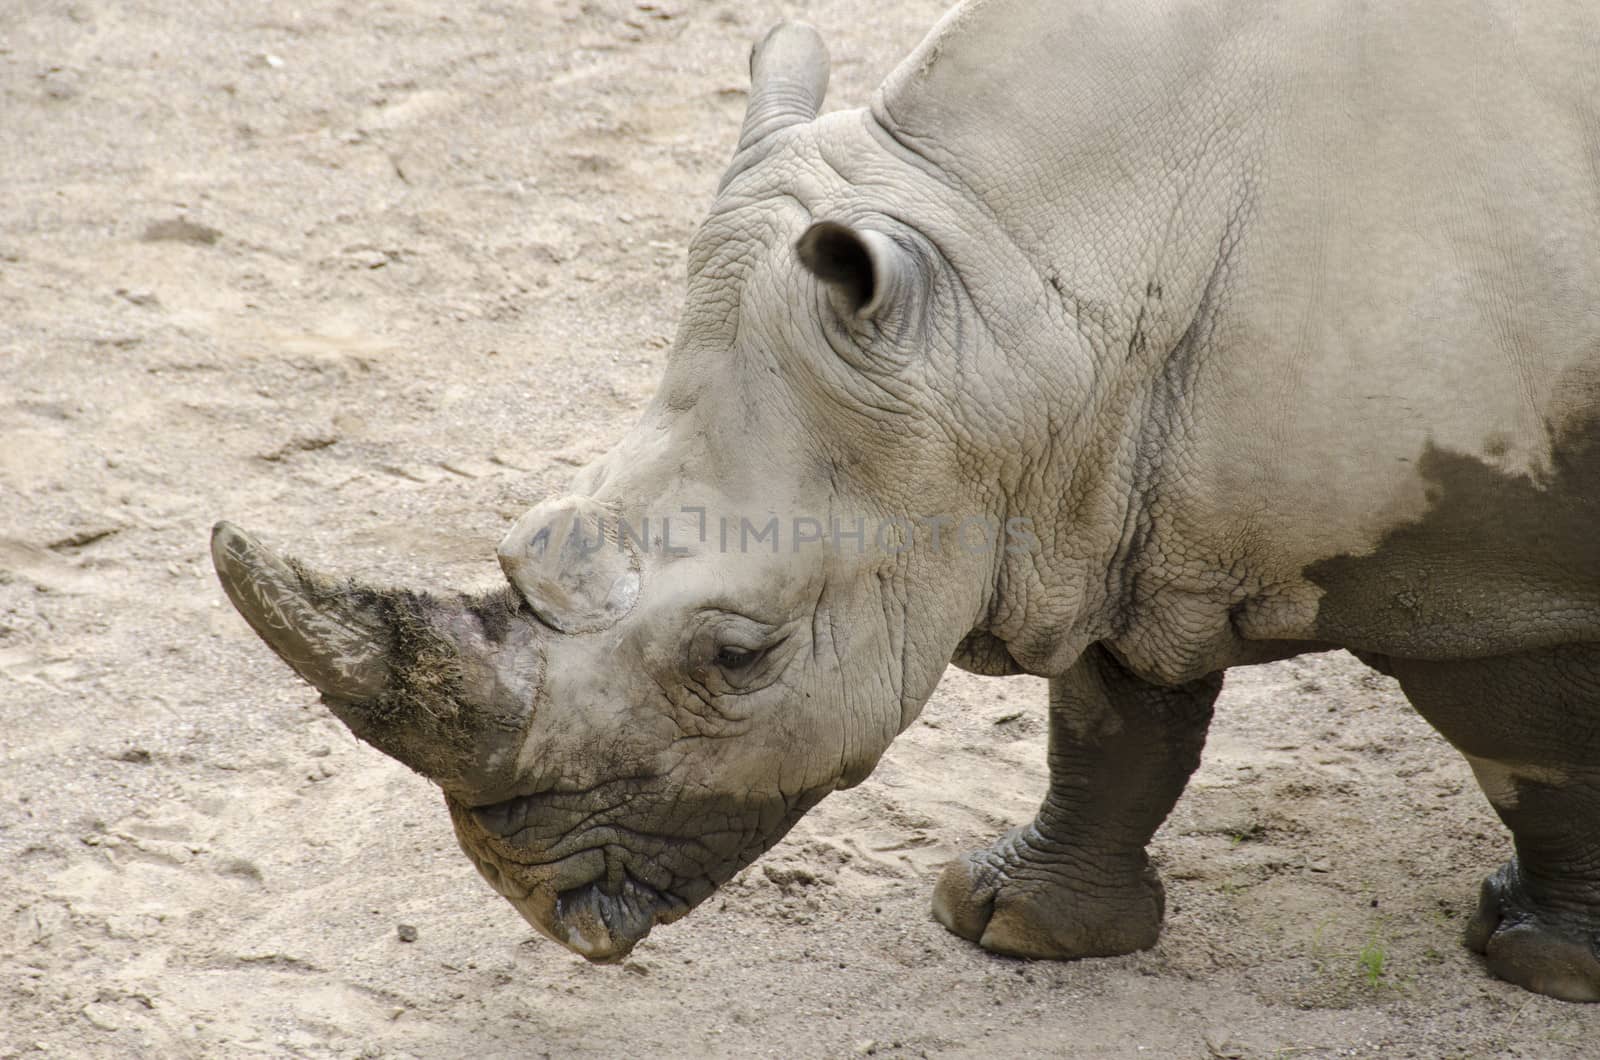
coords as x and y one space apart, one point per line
864 270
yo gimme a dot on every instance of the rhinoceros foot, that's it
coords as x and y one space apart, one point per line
1535 945
1025 896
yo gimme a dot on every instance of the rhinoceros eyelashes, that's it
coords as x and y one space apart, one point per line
735 659
863 269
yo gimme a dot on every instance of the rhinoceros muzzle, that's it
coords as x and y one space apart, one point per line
449 687
591 900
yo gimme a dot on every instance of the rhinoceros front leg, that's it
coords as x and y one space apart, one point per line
1077 882
1529 725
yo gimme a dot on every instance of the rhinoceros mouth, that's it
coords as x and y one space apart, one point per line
598 884
604 925
587 895
601 919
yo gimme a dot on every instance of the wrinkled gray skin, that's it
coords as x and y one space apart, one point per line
1278 325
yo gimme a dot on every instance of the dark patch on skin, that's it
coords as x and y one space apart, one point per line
1139 342
427 669
1167 419
420 706
1500 562
426 717
496 612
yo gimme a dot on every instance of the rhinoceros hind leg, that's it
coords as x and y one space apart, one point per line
1077 882
1529 725
1532 947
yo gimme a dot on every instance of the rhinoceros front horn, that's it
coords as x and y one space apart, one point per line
447 687
326 635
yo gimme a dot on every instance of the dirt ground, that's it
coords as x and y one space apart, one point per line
370 279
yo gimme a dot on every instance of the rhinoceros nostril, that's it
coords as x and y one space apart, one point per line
501 818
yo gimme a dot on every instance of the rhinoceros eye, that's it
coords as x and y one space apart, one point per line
733 659
730 653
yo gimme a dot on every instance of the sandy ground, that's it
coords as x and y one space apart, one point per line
371 279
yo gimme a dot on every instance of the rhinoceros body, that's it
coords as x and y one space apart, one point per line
1238 331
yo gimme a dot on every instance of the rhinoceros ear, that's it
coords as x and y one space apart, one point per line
865 270
788 78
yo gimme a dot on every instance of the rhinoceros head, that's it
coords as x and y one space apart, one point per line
734 611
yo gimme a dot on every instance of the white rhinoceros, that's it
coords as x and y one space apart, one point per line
1120 343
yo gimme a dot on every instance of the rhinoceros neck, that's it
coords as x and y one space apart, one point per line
1110 204
1296 307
